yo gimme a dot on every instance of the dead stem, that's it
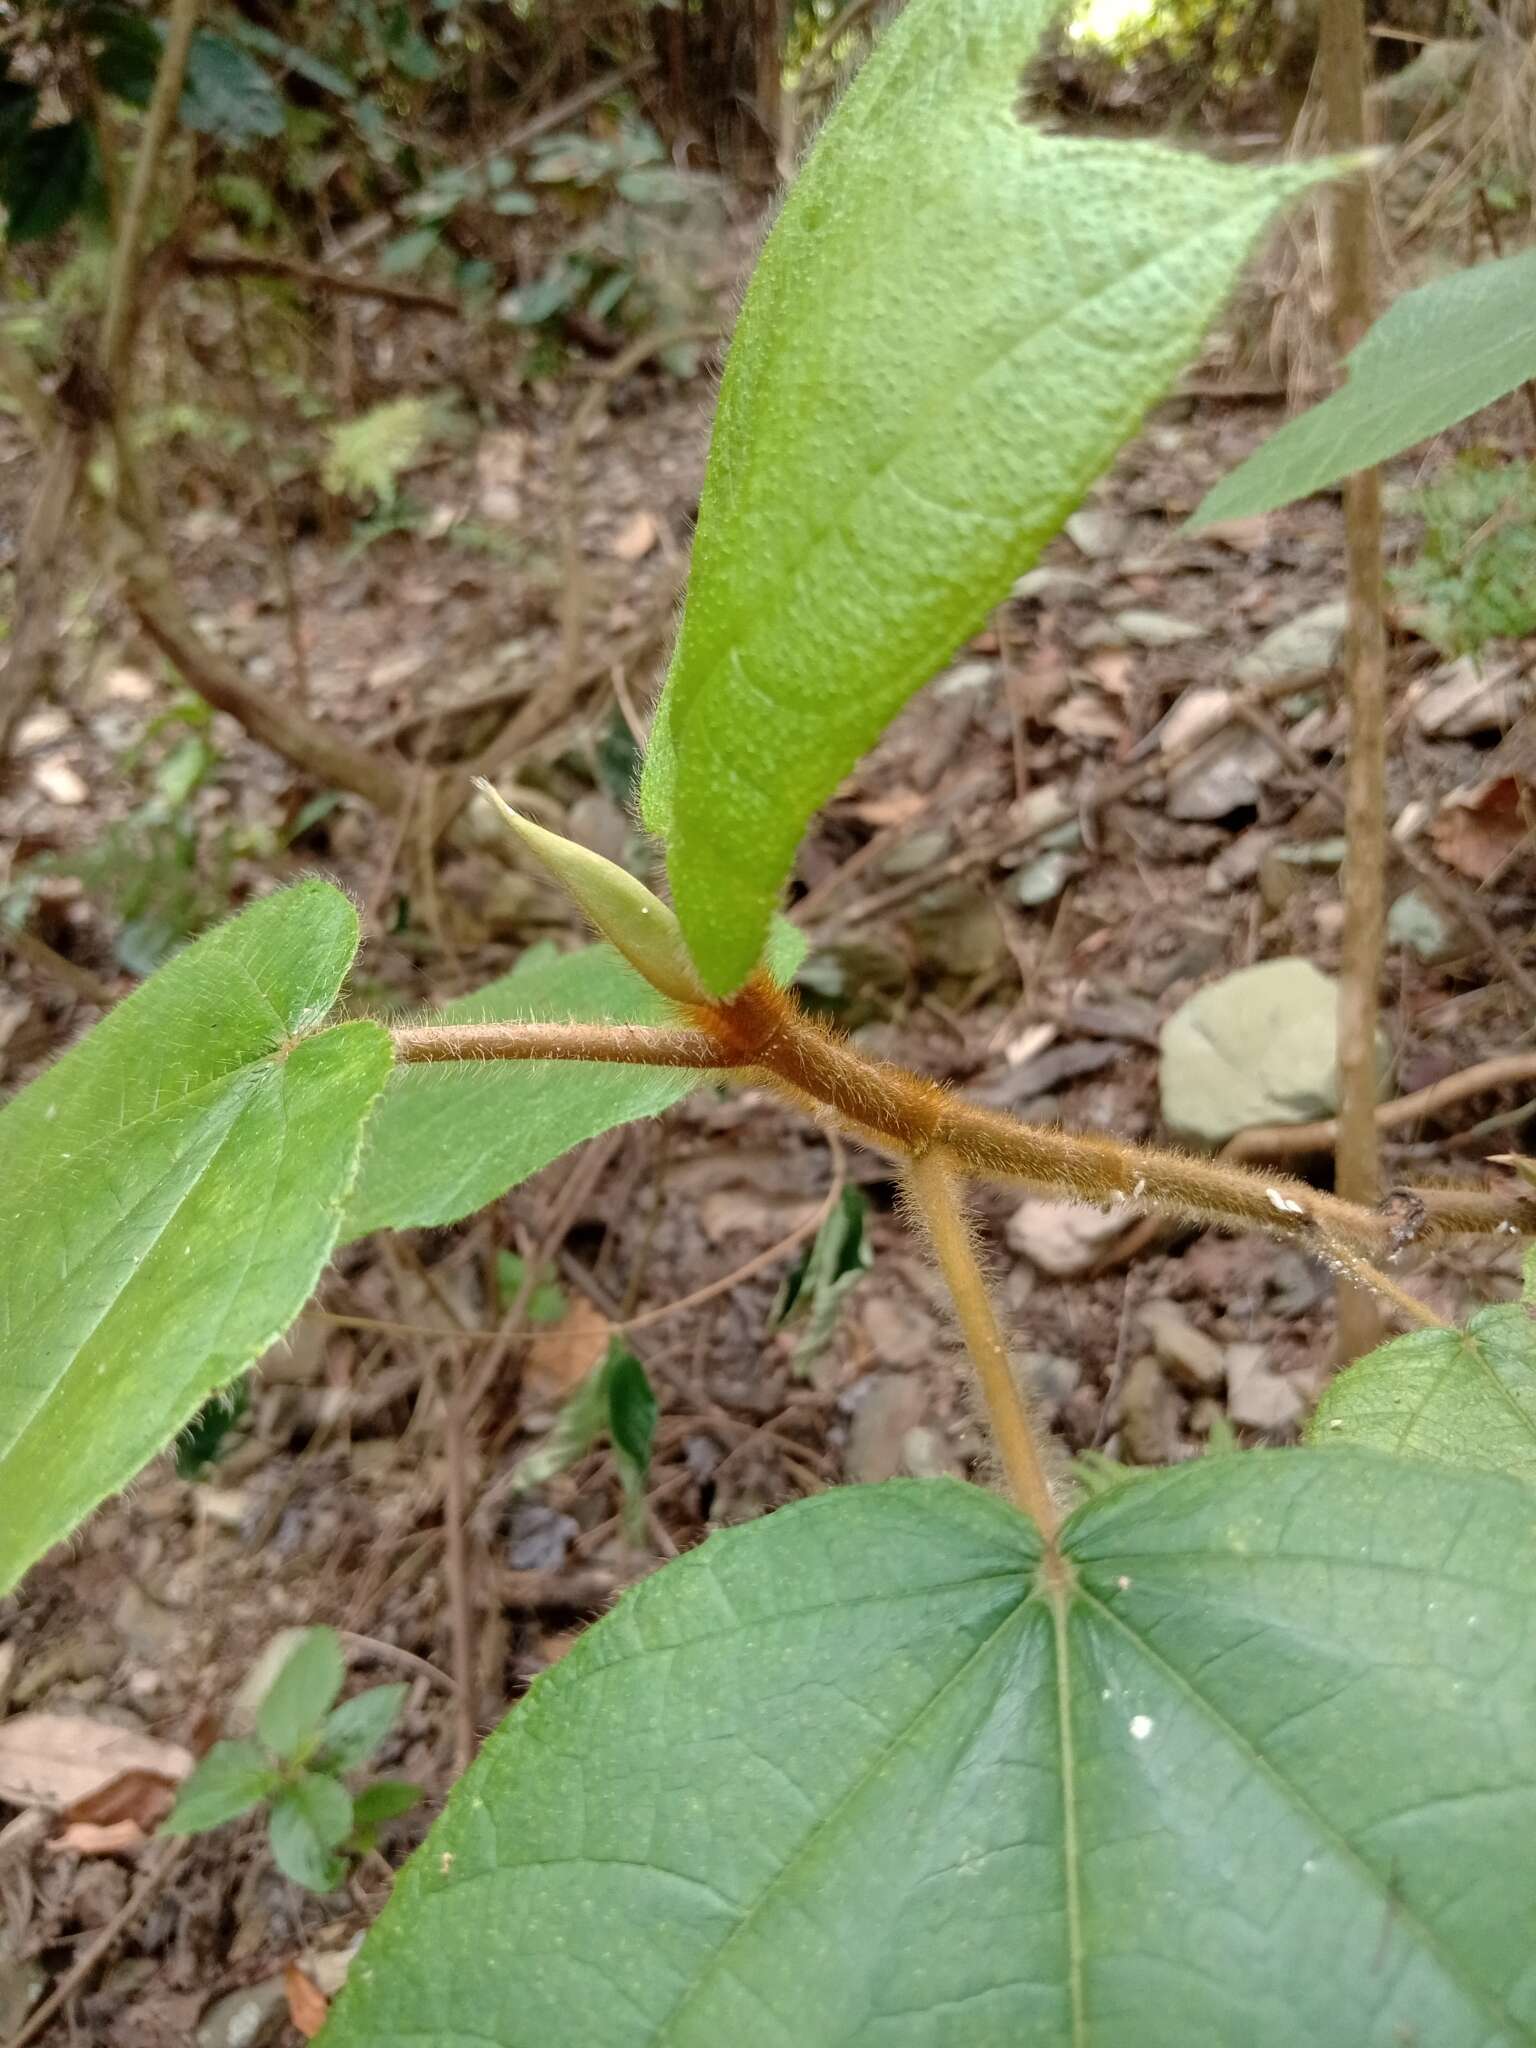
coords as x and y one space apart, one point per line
930 1182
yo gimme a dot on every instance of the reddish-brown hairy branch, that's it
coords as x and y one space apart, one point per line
635 1045
764 1035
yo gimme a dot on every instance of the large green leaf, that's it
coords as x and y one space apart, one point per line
172 1188
448 1139
954 324
1436 356
856 1774
1467 1397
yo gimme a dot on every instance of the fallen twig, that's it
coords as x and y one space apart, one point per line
1290 1141
154 1880
237 263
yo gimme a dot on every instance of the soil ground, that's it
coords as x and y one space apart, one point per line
327 1500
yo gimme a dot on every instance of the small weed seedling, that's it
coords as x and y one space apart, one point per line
305 1746
1240 1751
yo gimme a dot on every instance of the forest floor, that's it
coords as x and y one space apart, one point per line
1033 975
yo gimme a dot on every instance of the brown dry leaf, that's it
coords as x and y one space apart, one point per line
60 783
1480 830
635 538
1517 1162
307 2003
1242 536
1086 716
143 1797
59 1760
96 1838
499 464
125 685
900 807
1110 668
564 1355
1035 685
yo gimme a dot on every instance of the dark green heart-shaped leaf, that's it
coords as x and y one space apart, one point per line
172 1188
1466 1397
955 323
1260 1770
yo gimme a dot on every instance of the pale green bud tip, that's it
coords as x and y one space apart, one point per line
629 917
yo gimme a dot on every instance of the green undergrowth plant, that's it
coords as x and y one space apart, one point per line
1239 1751
302 1749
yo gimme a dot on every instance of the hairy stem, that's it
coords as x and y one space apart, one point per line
635 1045
930 1182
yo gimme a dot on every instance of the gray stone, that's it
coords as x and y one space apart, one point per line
1157 629
1098 534
1470 697
1043 879
1421 926
1149 1415
1065 1238
1257 1047
891 1405
1049 1378
246 2019
920 850
1224 777
926 1455
1257 1396
967 675
1195 1360
1303 644
538 1537
1061 586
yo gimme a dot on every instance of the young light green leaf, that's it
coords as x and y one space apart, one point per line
172 1188
301 1695
633 920
354 1730
231 1779
942 346
1263 1771
1465 1397
447 1139
1436 356
309 1818
547 1301
382 1801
